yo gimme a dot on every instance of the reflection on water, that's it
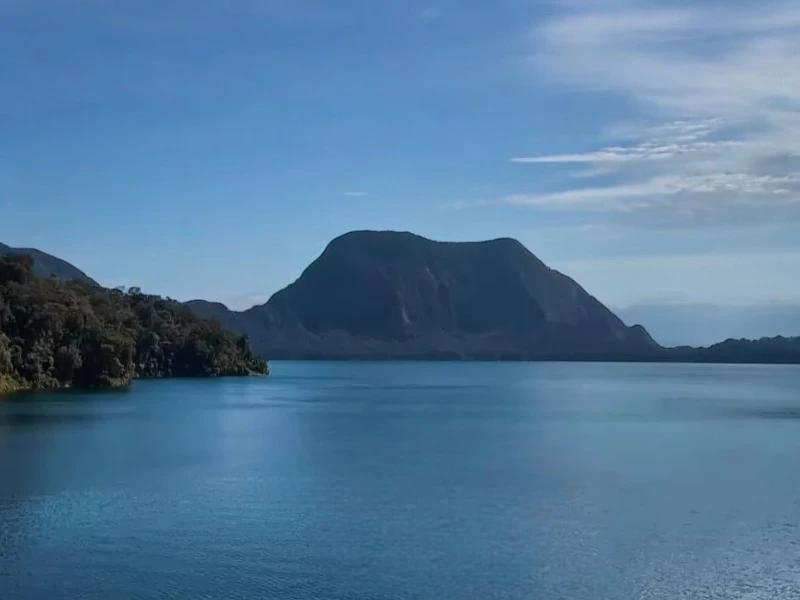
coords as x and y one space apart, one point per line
409 481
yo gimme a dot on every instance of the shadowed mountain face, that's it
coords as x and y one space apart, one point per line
395 295
45 265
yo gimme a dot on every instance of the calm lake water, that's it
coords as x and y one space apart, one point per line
425 481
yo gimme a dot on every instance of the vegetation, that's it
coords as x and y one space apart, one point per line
777 350
56 333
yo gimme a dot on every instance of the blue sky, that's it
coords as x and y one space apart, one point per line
211 149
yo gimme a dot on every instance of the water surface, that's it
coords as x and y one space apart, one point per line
403 480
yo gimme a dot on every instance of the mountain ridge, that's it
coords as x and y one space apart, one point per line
397 294
705 324
47 265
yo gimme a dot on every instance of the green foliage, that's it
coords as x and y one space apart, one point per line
56 333
16 268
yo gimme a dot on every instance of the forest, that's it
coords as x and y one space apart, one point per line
56 333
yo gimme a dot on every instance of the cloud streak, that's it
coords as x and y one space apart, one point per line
718 91
664 142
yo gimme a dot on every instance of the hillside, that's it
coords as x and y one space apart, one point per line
45 265
774 350
56 333
398 295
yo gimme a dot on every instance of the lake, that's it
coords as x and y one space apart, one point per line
409 481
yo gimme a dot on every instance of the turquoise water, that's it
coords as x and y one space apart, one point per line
423 481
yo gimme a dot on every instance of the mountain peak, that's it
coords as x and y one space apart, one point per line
397 294
377 236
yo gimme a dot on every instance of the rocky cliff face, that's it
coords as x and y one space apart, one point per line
396 295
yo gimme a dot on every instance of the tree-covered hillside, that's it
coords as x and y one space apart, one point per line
56 333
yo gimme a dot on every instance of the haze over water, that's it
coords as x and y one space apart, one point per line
409 481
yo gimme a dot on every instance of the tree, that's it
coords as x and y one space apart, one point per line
55 333
16 268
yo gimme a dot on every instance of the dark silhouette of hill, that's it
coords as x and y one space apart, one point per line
46 265
767 350
383 294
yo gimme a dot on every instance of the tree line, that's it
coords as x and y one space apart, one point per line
56 333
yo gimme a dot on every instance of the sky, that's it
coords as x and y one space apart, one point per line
650 150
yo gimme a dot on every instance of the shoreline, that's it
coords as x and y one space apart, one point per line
11 387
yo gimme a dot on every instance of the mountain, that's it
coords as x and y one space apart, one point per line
774 350
383 294
45 265
706 324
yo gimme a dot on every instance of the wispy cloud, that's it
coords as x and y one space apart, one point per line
718 90
749 186
464 204
430 13
355 194
663 142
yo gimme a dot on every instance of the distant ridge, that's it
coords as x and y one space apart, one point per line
705 324
46 265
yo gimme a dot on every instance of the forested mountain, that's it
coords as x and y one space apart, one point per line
383 294
56 333
774 350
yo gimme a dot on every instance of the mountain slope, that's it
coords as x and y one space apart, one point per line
398 295
46 265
